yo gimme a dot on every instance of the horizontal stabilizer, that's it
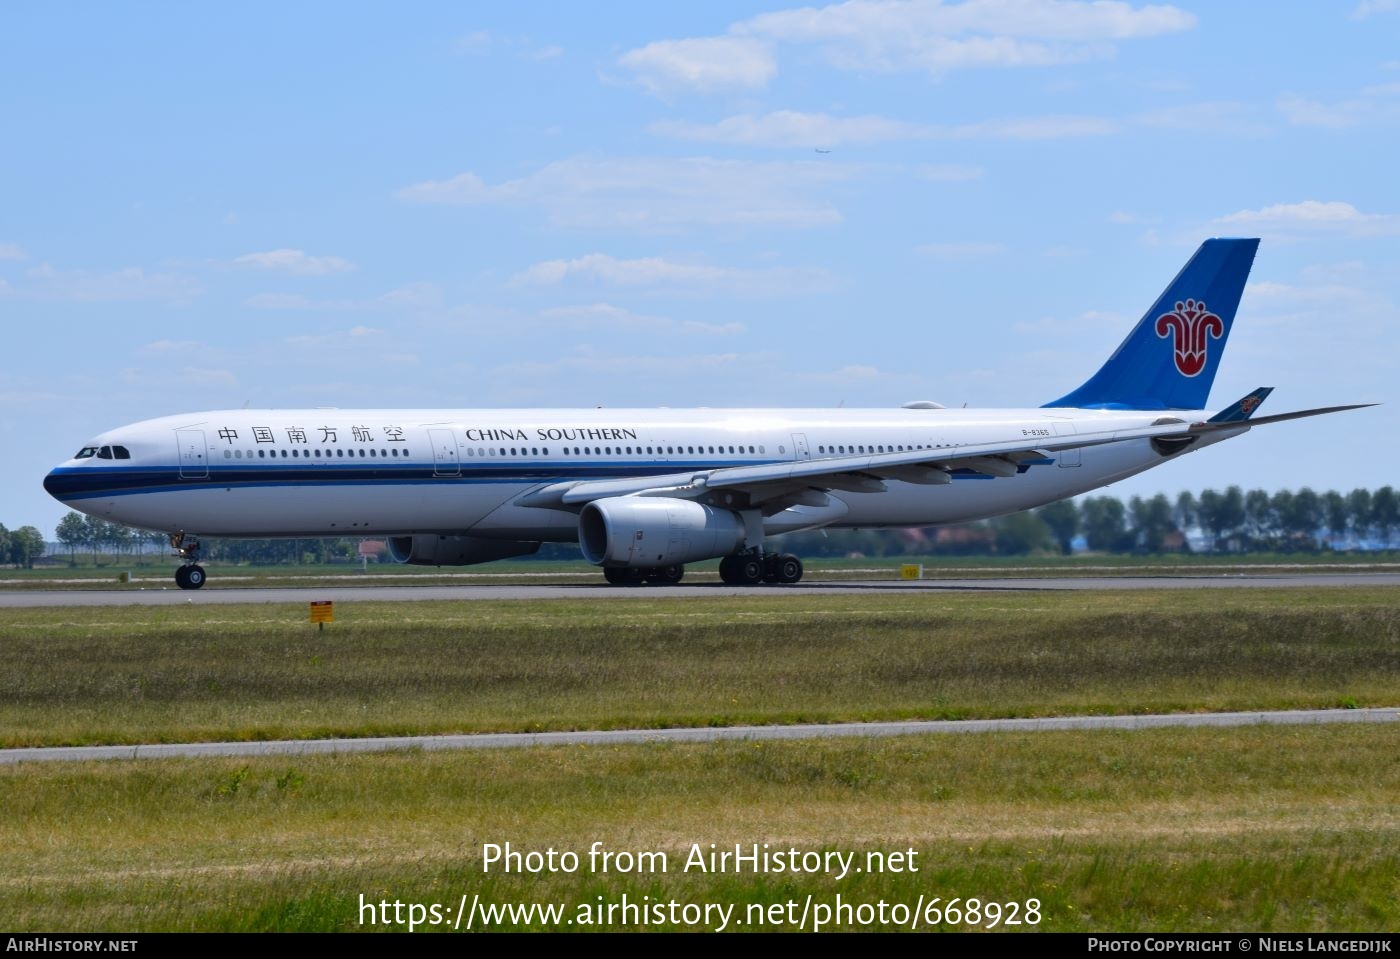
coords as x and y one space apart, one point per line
1243 409
1213 426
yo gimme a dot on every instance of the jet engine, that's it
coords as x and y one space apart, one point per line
642 531
430 549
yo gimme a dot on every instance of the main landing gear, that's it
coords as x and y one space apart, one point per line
191 574
750 569
744 569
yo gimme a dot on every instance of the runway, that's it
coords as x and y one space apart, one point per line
213 595
289 747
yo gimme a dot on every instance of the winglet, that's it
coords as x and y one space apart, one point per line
1242 409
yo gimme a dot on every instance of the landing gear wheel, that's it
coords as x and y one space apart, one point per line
750 570
743 570
189 577
666 575
789 568
624 575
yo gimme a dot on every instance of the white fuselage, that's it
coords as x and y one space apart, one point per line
265 473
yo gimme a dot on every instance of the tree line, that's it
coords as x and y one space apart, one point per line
1231 520
21 547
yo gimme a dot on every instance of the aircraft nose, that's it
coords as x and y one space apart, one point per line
53 486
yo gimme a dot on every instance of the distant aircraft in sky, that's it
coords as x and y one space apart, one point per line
644 492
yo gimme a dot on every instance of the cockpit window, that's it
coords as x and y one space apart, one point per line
105 453
121 452
87 452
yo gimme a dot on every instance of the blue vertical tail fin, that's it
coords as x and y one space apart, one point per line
1168 361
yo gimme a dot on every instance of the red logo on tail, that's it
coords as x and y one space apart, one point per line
1189 325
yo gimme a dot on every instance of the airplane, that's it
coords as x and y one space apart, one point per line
644 492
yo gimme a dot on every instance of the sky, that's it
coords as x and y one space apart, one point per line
721 204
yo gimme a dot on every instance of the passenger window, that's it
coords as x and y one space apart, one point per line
228 454
318 454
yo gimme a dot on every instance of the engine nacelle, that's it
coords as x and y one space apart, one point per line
430 549
646 531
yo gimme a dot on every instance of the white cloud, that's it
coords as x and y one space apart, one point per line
1034 128
950 172
336 338
1371 7
650 272
172 346
705 64
655 194
1375 104
1269 290
197 377
475 43
892 35
960 251
413 296
1209 117
672 371
295 261
788 128
1313 218
605 316
1126 218
11 251
108 286
848 375
1091 322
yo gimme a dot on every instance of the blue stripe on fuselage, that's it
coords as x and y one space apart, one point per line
87 482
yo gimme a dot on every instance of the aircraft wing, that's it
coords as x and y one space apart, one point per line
861 473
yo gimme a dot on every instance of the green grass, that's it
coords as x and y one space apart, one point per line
142 674
1262 828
